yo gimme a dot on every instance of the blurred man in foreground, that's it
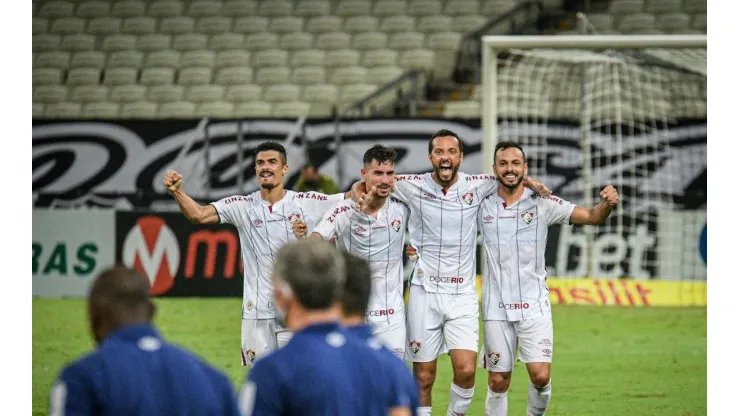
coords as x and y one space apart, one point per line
134 371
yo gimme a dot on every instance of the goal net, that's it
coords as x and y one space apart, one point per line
588 117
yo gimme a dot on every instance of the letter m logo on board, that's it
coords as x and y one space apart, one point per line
151 248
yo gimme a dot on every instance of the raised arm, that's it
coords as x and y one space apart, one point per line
193 211
599 213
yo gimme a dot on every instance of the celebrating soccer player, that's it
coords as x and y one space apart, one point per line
264 222
516 306
376 234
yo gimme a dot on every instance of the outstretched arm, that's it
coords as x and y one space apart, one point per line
599 213
193 211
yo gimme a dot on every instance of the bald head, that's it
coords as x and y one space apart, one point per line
119 296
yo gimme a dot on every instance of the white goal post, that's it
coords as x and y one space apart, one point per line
627 110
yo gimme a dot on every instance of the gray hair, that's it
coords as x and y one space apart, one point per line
314 270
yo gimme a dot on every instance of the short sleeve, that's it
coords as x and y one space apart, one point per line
556 210
329 225
405 188
262 393
484 185
72 394
315 204
228 209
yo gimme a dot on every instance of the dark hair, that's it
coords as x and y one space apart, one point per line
356 293
379 153
507 144
272 146
444 133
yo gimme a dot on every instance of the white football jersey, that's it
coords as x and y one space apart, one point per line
443 228
263 229
380 242
515 238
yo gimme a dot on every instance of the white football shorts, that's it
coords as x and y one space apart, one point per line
439 322
392 337
261 337
533 337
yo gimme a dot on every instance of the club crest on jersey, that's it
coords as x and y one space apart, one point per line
396 224
527 217
415 346
251 355
468 198
250 305
494 358
293 218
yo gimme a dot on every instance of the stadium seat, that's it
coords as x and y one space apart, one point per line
67 26
603 22
256 109
153 42
312 8
619 7
320 110
128 8
226 41
233 57
39 26
163 59
269 57
104 26
397 24
102 110
45 42
88 94
369 40
460 8
307 57
157 76
281 93
433 24
333 40
320 93
37 110
700 22
389 8
465 24
62 110
406 40
342 57
695 7
83 76
636 23
443 41
204 8
324 24
308 75
296 41
213 24
239 8
202 58
379 57
127 93
140 25
261 40
243 93
272 76
120 76
234 75
83 42
275 8
359 24
189 42
416 59
216 109
292 109
139 109
251 24
424 7
663 6
126 59
672 22
286 24
87 59
166 93
111 43
55 9
52 59
462 109
205 93
348 75
352 93
90 9
178 109
49 94
350 8
195 76
165 8
383 74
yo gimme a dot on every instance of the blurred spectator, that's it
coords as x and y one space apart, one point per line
312 180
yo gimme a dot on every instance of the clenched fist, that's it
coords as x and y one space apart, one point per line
172 181
300 229
610 195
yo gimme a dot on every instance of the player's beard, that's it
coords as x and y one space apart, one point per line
453 173
516 184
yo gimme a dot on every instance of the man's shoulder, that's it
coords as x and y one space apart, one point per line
240 199
416 178
341 209
307 196
466 177
548 201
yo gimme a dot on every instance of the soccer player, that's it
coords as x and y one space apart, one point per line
516 306
264 222
376 234
442 309
354 301
322 370
134 371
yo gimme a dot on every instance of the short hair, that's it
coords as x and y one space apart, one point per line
380 154
508 144
444 133
272 146
357 286
314 271
121 289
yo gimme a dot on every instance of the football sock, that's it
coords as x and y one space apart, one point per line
424 411
537 399
497 404
460 400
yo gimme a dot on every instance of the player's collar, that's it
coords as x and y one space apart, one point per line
134 332
363 331
322 328
527 193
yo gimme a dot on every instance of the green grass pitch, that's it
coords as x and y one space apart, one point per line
607 360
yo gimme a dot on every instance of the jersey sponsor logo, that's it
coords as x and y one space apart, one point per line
212 240
294 217
303 195
359 230
468 198
427 195
513 306
488 219
337 211
396 224
151 248
381 312
257 223
236 198
493 358
527 217
415 346
554 198
480 178
408 178
446 279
